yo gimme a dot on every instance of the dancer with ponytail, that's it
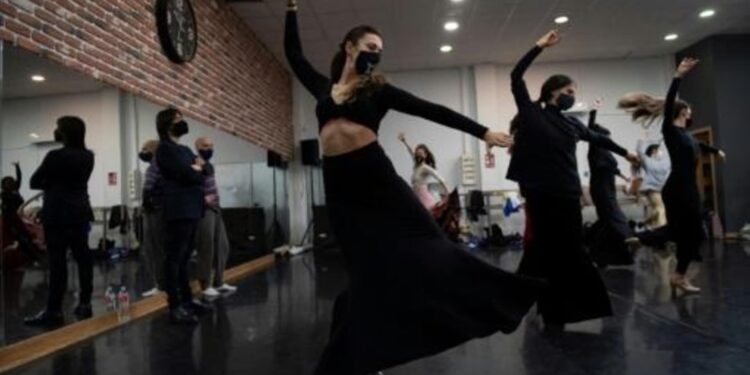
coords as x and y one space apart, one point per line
544 164
680 193
412 293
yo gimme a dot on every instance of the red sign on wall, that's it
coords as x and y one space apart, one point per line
489 160
112 178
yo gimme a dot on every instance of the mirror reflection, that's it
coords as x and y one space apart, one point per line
120 254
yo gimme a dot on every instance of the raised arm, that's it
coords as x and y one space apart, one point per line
592 118
316 83
517 84
668 128
402 138
19 175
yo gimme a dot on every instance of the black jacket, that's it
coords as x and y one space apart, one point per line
63 176
183 186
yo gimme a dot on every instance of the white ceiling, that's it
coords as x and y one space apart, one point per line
497 30
19 65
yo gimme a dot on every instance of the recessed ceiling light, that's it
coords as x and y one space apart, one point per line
38 78
671 37
34 135
561 20
446 48
451 26
707 13
457 1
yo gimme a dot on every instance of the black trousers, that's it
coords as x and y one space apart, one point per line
59 239
180 235
684 222
607 237
555 252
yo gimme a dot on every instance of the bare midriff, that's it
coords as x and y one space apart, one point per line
340 136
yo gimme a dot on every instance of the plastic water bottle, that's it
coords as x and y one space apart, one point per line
123 301
110 299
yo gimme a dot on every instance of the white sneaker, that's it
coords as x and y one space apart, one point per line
227 288
211 292
151 293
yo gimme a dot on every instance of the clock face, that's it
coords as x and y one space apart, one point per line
178 31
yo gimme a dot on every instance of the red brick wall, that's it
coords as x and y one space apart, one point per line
234 83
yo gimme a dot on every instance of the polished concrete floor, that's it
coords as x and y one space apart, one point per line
278 321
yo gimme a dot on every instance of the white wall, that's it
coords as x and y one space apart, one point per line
99 110
608 79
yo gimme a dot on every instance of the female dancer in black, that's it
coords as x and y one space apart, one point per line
612 240
412 292
680 193
544 164
66 215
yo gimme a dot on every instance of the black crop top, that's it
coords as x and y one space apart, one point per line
369 110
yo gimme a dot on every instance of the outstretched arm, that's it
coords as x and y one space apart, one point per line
316 83
405 102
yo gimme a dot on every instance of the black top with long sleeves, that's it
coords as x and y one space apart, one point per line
544 155
366 110
63 176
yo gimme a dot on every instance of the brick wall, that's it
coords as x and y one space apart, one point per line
234 83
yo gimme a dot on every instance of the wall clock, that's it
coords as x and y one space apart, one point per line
177 29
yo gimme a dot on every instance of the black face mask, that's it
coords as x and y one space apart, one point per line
366 62
58 135
565 102
179 129
206 154
146 156
688 123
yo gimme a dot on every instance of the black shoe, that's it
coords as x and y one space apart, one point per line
83 311
45 319
182 316
199 307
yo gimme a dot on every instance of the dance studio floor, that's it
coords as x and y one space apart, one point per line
277 323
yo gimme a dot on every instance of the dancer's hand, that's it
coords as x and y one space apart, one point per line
722 156
597 104
633 159
291 4
549 39
197 168
686 65
498 139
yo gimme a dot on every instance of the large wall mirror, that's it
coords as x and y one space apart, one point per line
37 91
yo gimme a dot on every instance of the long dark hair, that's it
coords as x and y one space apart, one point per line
554 82
164 120
429 159
645 108
72 131
367 83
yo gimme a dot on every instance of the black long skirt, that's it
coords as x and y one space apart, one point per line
412 292
555 252
607 236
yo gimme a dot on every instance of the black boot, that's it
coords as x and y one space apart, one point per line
83 311
182 316
45 319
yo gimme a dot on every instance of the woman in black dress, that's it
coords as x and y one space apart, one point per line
681 197
545 166
412 292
